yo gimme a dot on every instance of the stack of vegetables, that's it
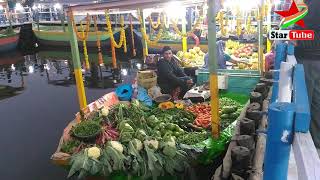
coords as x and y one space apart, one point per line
140 141
229 111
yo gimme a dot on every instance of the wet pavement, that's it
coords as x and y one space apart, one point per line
38 99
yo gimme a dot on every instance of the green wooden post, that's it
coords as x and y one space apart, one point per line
212 50
77 64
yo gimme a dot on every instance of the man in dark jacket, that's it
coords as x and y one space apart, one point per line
170 75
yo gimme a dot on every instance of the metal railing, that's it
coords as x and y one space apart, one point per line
16 17
290 151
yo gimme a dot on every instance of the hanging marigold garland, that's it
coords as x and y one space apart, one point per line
144 33
158 23
122 40
220 17
100 57
85 50
249 24
226 23
165 22
176 28
81 36
239 28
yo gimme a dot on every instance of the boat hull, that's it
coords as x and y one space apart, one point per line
9 43
58 39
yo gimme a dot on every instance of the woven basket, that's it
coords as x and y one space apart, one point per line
147 79
148 83
146 74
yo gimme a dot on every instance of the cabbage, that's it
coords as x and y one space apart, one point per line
154 144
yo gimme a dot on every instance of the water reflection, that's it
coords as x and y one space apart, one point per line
58 71
11 75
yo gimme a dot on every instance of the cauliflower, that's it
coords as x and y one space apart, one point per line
137 144
116 145
128 127
94 152
140 134
105 111
171 142
154 144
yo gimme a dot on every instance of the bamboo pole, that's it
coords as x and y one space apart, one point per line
269 21
215 124
77 65
144 42
132 37
260 31
113 55
184 38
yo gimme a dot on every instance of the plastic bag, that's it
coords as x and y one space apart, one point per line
143 96
154 92
124 92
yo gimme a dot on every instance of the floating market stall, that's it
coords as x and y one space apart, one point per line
137 133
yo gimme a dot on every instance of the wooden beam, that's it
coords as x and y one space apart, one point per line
129 4
306 157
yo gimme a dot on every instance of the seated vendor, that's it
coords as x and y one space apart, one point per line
222 57
171 77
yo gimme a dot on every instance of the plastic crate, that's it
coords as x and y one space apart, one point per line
239 81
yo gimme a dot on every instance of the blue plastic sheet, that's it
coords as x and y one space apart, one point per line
124 92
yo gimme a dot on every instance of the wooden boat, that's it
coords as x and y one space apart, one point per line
55 36
9 40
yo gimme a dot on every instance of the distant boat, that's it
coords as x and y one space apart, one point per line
54 36
9 40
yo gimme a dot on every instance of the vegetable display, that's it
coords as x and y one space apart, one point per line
140 141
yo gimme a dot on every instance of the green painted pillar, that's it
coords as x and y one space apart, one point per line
212 50
77 65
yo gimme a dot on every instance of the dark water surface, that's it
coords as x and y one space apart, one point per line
38 99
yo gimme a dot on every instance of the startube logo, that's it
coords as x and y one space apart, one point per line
294 15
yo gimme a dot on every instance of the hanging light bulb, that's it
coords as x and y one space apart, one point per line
31 69
13 68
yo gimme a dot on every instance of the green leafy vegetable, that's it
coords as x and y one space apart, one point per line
87 129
